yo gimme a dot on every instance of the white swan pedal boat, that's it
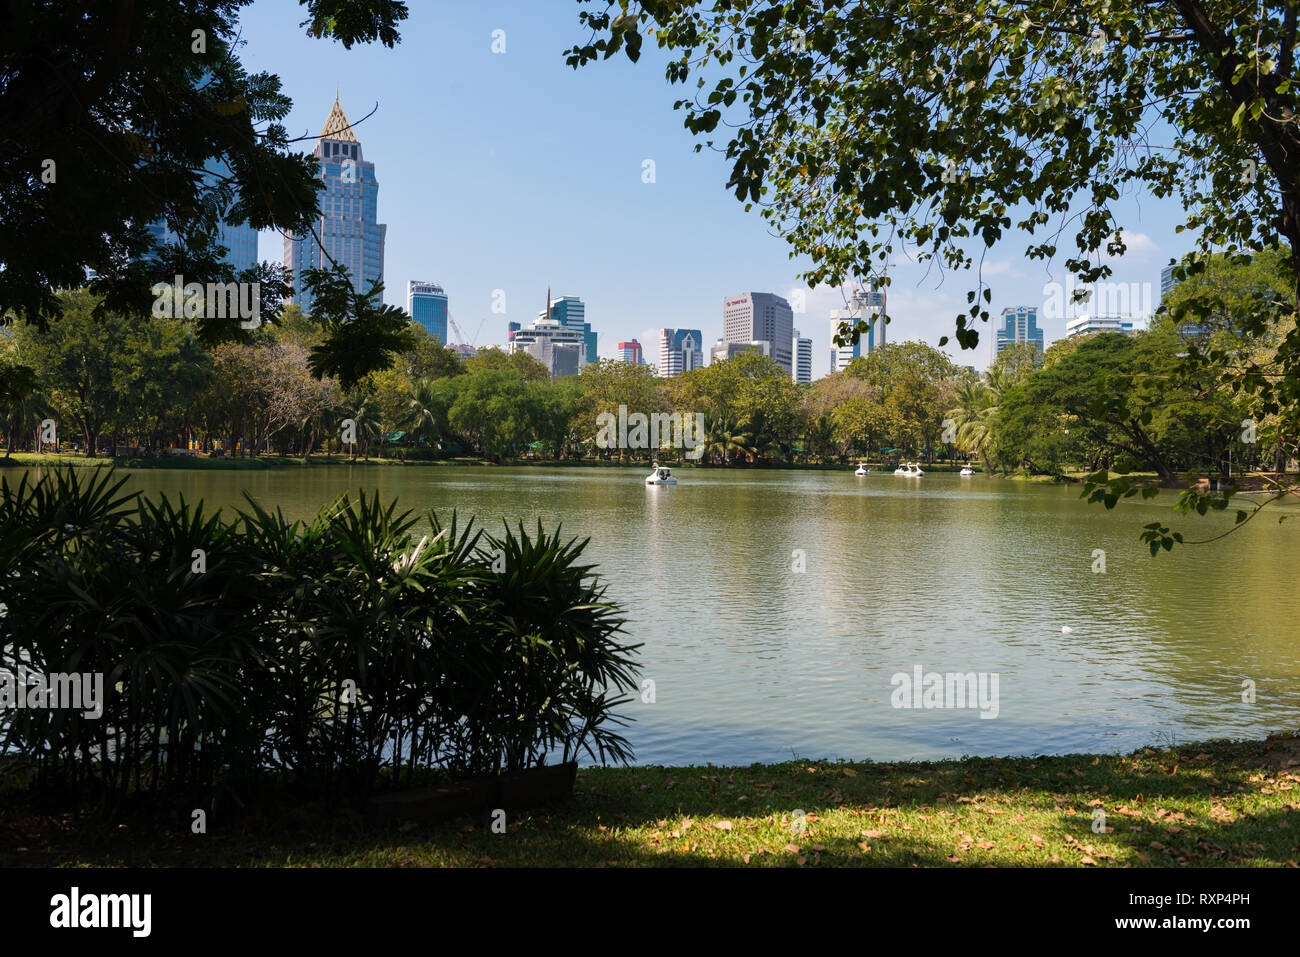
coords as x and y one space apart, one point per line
862 469
660 476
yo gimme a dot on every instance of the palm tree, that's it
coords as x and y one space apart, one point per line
361 410
975 415
426 417
727 440
821 436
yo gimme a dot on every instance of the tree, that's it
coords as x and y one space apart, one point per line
430 359
864 129
974 414
1117 388
861 128
21 402
348 317
159 372
77 358
115 118
521 363
426 411
916 384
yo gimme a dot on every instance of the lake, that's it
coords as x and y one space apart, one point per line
753 659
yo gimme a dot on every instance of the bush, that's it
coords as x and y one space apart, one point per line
340 654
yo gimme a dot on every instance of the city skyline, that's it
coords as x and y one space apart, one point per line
465 197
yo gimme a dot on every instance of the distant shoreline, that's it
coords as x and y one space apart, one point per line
1254 483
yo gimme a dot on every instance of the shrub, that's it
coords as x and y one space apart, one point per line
341 655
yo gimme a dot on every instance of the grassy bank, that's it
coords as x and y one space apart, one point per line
1212 804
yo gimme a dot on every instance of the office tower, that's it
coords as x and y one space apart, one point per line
865 305
561 348
1083 325
723 350
1167 280
630 352
680 350
426 303
348 226
1019 324
802 359
1189 329
571 312
760 317
240 241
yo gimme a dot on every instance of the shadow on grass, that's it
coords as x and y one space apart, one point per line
1215 804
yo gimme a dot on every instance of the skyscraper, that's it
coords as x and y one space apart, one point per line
760 317
630 352
348 227
571 312
1019 324
1167 280
561 348
426 303
802 359
865 305
240 241
680 350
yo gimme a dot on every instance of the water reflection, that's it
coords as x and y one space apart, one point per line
756 660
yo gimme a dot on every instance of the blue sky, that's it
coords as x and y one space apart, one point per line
512 171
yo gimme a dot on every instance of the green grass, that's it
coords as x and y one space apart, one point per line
1213 804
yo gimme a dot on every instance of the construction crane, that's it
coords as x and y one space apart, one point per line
460 336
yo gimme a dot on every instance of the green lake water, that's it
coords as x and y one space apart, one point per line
752 660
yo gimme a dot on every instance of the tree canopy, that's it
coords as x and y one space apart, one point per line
117 116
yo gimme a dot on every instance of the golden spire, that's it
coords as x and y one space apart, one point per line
337 126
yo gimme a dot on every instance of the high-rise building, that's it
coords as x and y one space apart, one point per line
1189 329
723 350
240 241
511 329
426 303
561 347
1083 325
571 312
348 227
1167 280
865 305
761 317
1019 324
680 350
630 352
802 359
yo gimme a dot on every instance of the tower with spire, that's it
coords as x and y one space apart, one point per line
347 228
